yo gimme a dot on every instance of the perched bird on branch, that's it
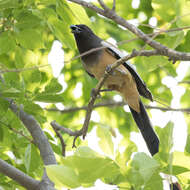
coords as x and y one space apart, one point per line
124 79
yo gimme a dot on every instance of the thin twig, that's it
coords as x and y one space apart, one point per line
23 69
21 133
18 132
146 53
116 104
58 127
184 82
113 7
103 5
63 145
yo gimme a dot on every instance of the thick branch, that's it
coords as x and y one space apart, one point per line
38 135
17 175
163 50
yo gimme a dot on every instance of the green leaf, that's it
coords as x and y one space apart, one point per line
176 170
49 97
7 42
184 13
27 159
32 79
63 10
85 160
182 160
4 105
30 39
63 176
11 93
26 20
166 9
185 99
53 86
145 165
60 29
79 14
85 166
155 182
32 108
1 133
105 142
47 2
123 158
166 142
187 146
5 4
19 58
173 39
32 158
184 46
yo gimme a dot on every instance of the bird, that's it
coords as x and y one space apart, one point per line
124 79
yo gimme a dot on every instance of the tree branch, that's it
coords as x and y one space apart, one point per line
38 135
40 140
162 50
18 132
184 82
116 104
146 53
17 175
63 145
114 5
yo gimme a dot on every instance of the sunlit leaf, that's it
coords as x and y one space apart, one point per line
30 39
63 176
105 141
7 42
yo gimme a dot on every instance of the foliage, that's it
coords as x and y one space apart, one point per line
28 29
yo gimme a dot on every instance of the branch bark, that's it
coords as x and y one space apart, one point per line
17 175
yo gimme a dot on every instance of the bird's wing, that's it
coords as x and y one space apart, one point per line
141 86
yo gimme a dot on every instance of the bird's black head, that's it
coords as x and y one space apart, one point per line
80 30
85 38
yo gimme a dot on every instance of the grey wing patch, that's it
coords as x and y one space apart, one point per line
141 86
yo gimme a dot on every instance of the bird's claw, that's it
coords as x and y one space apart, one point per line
109 69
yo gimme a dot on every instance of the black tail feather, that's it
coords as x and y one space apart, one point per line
175 186
143 122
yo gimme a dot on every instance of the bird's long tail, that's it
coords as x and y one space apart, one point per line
143 122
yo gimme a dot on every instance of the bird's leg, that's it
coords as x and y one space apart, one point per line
93 92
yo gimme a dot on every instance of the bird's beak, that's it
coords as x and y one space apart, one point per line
75 29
